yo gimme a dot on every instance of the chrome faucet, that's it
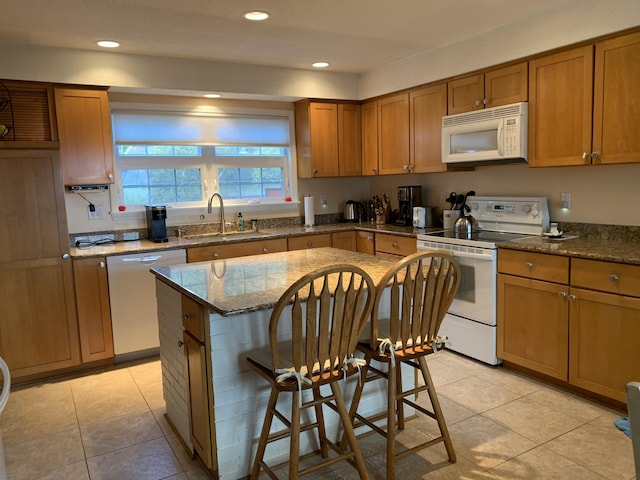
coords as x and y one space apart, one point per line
209 210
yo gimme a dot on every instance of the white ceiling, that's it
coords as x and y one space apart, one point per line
354 36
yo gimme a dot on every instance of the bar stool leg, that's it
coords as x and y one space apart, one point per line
294 458
264 435
322 434
399 396
391 422
348 431
437 410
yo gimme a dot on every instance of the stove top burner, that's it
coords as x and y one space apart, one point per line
480 238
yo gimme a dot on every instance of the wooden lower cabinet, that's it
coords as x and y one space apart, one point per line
94 310
394 246
365 242
242 249
533 325
199 390
344 240
303 242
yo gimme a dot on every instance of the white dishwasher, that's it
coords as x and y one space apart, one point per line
132 293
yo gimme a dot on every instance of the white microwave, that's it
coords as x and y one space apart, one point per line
495 134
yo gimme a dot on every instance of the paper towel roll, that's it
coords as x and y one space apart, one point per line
309 216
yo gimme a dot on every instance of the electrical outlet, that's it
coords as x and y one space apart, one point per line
443 197
565 200
323 200
96 214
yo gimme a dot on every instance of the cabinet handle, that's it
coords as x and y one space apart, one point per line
529 265
595 155
66 256
394 244
370 238
613 277
572 297
101 265
216 255
374 170
315 171
586 156
563 294
186 316
265 250
180 343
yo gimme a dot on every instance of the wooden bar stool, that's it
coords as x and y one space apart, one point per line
420 289
327 311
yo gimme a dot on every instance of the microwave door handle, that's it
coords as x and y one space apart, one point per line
501 138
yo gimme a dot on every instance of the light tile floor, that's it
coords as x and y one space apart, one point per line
110 425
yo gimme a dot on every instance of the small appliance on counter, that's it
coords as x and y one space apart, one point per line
156 223
408 197
353 211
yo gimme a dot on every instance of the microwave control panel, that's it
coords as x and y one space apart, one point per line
511 137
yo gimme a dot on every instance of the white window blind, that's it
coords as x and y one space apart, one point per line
171 128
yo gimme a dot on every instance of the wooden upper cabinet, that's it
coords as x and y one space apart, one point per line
501 86
560 108
84 128
393 134
328 139
427 107
616 102
349 140
369 115
466 94
30 115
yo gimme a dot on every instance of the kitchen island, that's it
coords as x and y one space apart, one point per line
211 314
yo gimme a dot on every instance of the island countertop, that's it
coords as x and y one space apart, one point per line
244 284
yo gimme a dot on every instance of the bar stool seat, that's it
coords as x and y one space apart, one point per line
326 312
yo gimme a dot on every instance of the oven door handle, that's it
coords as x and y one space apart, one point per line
459 254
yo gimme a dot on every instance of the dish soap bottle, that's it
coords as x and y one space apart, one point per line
240 222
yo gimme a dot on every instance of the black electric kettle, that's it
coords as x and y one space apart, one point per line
353 211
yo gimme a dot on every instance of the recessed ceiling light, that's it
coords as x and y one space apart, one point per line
256 15
108 44
212 95
320 65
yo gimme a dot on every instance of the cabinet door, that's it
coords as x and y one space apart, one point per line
84 128
303 242
616 103
466 94
393 134
560 108
94 310
533 325
370 138
323 118
365 242
427 107
507 85
199 418
349 140
344 240
39 327
604 342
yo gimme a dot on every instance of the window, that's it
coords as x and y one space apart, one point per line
179 159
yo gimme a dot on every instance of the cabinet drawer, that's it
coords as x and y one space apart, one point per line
539 266
193 318
309 241
606 276
242 249
395 244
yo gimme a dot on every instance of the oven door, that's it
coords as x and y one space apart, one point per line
476 297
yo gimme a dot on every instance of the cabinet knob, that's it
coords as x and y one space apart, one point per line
374 170
478 103
186 316
216 255
370 238
265 250
572 297
65 256
529 265
613 277
595 155
394 244
110 176
562 294
485 101
586 156
101 265
180 343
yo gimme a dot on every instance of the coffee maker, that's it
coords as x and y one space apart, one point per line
408 197
156 223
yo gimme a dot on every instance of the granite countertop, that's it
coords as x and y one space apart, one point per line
610 250
141 246
245 284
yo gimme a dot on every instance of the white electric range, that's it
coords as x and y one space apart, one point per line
471 322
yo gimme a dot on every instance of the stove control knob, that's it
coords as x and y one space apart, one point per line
526 208
535 211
